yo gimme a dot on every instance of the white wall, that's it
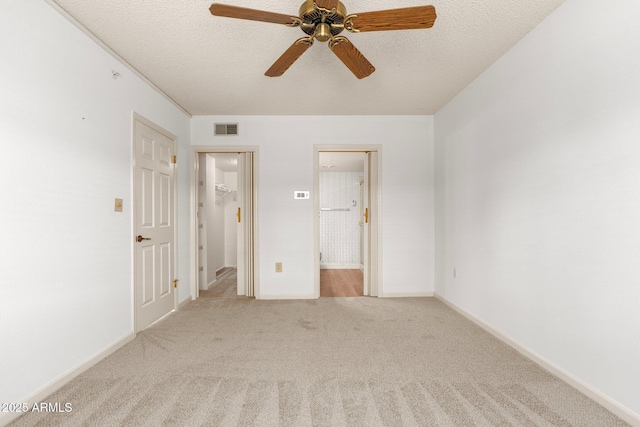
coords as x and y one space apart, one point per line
285 225
214 223
219 226
65 255
230 222
538 195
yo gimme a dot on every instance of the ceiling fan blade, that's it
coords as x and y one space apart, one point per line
407 18
327 4
351 57
290 56
228 11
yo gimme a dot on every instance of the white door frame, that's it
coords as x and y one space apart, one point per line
135 117
245 253
375 249
195 150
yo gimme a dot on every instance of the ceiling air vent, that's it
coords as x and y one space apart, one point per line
225 129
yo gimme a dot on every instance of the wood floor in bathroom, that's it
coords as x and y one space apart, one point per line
341 283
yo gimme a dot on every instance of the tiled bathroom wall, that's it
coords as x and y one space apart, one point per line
339 229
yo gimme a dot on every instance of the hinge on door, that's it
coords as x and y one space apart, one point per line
175 283
175 159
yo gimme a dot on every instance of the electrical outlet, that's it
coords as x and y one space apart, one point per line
278 267
454 273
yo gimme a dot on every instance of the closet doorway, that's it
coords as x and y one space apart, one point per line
346 227
224 206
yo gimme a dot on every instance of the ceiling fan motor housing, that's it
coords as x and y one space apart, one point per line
319 22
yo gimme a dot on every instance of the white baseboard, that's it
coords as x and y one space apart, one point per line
405 294
287 296
210 285
339 266
226 266
62 380
596 395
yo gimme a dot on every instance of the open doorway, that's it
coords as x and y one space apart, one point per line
217 225
347 203
224 223
341 178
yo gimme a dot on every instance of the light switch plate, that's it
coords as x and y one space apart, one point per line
118 205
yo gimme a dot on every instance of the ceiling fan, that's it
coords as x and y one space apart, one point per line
324 20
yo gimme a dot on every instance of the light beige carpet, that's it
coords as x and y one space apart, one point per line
334 361
226 285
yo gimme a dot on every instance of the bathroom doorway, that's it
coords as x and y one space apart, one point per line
347 222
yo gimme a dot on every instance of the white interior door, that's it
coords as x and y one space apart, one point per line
370 221
372 282
153 224
245 215
365 229
361 223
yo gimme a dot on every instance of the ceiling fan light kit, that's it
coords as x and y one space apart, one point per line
324 20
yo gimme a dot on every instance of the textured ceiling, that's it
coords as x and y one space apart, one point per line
214 65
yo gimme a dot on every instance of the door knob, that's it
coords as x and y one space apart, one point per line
140 238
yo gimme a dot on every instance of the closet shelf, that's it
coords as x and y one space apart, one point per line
224 194
335 209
